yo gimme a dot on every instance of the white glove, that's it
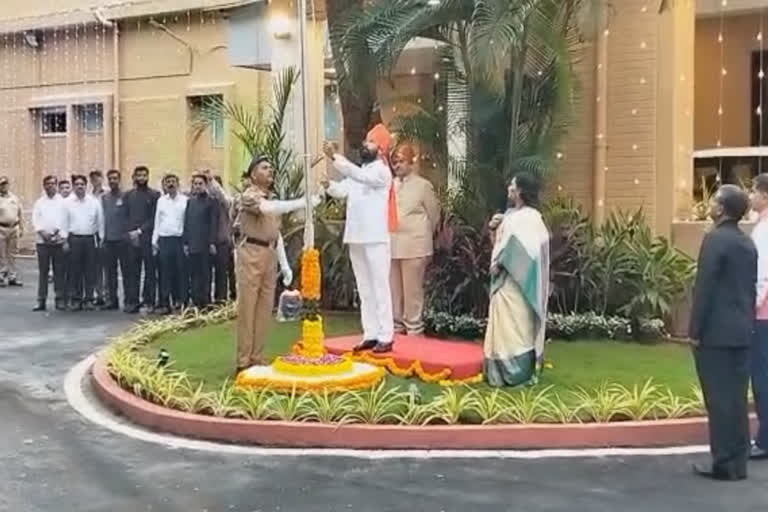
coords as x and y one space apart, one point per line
316 200
281 207
282 258
287 276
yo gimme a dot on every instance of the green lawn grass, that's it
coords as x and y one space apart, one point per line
207 355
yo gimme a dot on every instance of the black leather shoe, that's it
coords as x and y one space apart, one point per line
110 307
15 282
40 307
365 345
131 310
757 453
712 474
383 348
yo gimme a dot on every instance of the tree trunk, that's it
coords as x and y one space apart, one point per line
357 93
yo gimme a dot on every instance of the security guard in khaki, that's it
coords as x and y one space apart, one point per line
10 232
259 250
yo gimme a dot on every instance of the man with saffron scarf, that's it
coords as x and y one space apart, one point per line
371 217
514 340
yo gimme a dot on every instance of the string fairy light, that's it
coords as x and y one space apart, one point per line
761 86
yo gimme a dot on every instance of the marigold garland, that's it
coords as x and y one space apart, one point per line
311 278
442 377
364 381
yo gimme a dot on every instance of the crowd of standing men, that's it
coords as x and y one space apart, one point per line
172 249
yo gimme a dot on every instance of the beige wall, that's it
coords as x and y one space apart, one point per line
159 70
739 40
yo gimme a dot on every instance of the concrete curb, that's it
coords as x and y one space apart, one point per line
640 434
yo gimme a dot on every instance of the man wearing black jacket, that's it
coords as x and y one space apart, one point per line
200 233
722 320
140 203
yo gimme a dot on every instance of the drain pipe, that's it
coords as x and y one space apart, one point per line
115 84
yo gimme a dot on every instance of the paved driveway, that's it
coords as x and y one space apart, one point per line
53 460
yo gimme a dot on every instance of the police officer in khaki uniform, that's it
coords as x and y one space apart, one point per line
10 231
260 248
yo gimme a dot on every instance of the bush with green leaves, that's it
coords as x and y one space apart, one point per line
618 268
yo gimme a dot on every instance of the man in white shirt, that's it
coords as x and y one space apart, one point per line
367 190
49 217
168 246
85 225
759 355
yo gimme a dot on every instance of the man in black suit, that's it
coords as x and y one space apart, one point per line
722 320
201 221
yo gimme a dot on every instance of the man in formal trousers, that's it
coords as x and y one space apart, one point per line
371 215
722 320
259 250
140 204
418 212
201 221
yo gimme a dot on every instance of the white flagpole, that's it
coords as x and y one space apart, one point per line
309 225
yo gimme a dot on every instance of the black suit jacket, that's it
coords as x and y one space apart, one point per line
200 223
723 312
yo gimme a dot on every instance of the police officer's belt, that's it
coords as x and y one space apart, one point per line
259 241
8 224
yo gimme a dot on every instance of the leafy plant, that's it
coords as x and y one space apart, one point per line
490 407
608 402
257 404
530 406
453 404
290 407
329 407
381 404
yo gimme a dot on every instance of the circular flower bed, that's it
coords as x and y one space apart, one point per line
137 371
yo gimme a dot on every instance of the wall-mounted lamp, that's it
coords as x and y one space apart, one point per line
281 27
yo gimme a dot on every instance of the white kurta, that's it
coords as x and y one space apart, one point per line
366 190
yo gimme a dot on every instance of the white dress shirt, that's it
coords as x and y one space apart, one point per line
169 216
367 192
50 215
760 238
84 216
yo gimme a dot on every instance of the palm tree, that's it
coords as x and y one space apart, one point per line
260 130
356 74
512 60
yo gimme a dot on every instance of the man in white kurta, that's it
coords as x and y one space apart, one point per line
367 192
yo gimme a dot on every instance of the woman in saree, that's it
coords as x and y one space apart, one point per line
514 340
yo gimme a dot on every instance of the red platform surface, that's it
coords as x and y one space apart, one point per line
463 359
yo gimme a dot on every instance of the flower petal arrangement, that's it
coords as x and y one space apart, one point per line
310 367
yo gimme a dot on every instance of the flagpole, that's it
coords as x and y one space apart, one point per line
309 225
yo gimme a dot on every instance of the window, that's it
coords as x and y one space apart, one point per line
92 117
217 133
207 111
53 121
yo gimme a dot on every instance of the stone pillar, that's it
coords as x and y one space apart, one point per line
674 121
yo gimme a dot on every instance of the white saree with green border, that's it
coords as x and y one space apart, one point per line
514 340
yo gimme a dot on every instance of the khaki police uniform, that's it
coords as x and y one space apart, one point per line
10 226
256 276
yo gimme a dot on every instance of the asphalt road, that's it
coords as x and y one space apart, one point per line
53 460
